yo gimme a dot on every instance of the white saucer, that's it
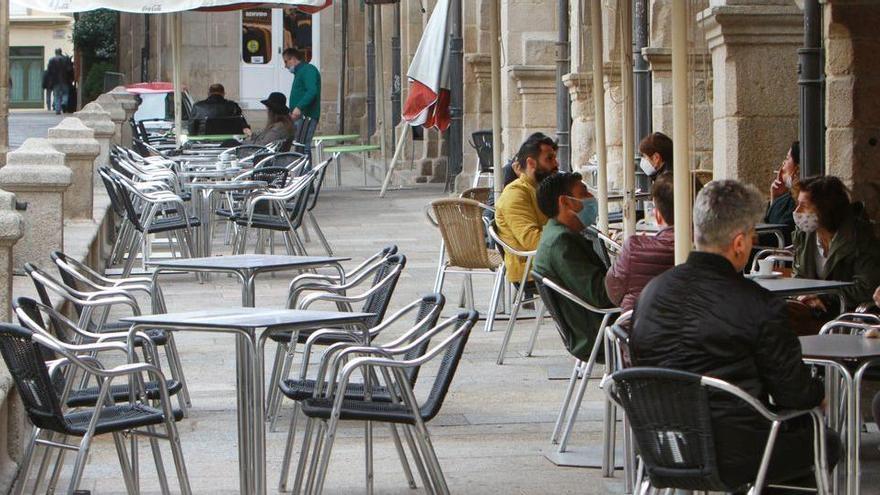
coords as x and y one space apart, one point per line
756 275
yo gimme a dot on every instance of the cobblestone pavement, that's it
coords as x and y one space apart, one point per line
25 124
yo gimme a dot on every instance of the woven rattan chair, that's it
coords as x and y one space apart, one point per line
669 411
463 249
479 194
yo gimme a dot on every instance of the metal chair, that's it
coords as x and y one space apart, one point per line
463 248
427 312
481 142
22 350
552 293
274 215
320 281
334 406
669 412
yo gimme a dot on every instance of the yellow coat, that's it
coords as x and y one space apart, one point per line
519 222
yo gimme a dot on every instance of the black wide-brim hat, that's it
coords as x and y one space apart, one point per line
276 102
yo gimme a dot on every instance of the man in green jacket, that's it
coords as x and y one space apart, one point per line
568 258
305 92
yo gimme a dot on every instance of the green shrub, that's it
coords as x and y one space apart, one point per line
93 85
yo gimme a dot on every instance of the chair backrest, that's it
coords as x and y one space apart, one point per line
592 234
429 311
481 141
668 411
302 134
30 269
448 365
618 334
461 225
47 320
222 125
388 273
479 194
112 193
551 300
27 365
321 171
124 195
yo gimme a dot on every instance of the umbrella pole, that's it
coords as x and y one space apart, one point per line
681 133
629 172
400 144
498 172
380 84
599 109
175 77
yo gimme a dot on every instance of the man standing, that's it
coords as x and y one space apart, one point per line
216 106
706 318
58 74
305 93
517 215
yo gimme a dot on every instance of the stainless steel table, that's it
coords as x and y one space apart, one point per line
786 287
245 323
850 356
202 194
246 267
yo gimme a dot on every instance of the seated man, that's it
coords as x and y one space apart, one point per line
704 317
215 106
645 256
517 215
567 257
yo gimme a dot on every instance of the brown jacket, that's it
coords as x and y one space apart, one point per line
643 257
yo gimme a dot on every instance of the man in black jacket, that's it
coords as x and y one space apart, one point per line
59 75
705 317
213 107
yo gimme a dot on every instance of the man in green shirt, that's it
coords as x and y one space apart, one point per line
305 93
568 258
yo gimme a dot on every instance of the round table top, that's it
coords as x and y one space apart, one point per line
840 347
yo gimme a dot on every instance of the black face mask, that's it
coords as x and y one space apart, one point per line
540 176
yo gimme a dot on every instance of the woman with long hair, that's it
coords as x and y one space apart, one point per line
279 126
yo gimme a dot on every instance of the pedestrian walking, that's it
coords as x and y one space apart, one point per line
59 74
305 94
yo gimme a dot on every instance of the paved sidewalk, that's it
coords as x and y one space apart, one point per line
25 124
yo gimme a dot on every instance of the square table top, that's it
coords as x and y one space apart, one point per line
250 318
840 347
787 286
247 262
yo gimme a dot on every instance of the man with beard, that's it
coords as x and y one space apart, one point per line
517 216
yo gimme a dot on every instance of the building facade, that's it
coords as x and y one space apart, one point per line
33 38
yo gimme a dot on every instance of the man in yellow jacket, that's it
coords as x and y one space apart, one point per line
517 216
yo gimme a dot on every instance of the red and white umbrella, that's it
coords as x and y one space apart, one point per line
428 101
164 6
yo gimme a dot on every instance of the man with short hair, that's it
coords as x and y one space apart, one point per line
305 92
568 258
704 317
517 215
215 106
59 73
643 257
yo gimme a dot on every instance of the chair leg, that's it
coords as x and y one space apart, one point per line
315 458
588 370
274 380
441 273
173 356
44 462
563 412
320 234
80 464
417 460
177 455
303 456
132 254
124 465
404 462
368 457
609 433
288 450
517 302
26 462
538 322
285 371
157 459
469 291
431 456
493 301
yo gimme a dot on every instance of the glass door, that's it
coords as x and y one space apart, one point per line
26 73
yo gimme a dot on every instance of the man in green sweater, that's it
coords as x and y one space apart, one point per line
568 258
305 93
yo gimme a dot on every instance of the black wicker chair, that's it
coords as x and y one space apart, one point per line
669 413
481 142
24 352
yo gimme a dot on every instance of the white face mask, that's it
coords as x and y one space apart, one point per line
806 221
647 167
787 180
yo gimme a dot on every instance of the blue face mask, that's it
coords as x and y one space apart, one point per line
589 211
292 69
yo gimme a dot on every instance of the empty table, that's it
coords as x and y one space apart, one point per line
247 267
202 194
850 355
245 323
786 287
363 149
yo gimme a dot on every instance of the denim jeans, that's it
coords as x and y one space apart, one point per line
59 97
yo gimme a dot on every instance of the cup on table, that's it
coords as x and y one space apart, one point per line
765 266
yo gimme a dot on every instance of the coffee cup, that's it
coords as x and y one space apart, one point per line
765 266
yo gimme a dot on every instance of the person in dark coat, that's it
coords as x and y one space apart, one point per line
59 73
567 257
215 106
783 192
279 126
643 257
834 240
704 317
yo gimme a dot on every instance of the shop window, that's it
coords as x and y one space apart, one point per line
298 31
256 36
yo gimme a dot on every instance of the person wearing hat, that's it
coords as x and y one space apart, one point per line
279 125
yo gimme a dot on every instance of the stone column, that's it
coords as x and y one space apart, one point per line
36 173
583 123
80 149
95 118
117 114
754 62
11 230
129 103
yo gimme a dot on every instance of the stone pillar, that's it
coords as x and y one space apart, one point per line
36 173
11 230
852 109
754 62
95 118
80 149
117 114
583 123
129 103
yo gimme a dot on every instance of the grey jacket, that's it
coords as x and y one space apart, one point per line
276 132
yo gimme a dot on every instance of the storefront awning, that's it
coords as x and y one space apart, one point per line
164 6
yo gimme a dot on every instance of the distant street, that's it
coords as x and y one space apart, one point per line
25 124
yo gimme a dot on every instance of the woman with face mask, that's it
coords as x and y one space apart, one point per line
834 240
656 151
783 196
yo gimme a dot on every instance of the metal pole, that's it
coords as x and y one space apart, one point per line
496 99
681 132
343 68
176 40
145 51
381 96
629 170
812 125
642 74
371 71
599 110
456 78
4 81
563 100
396 80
